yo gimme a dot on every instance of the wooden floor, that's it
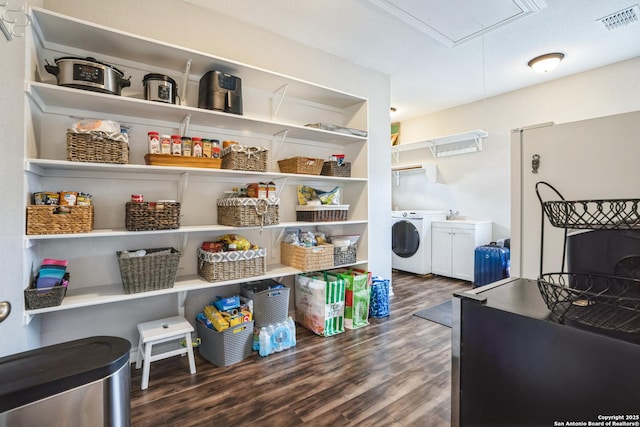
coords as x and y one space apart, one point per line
394 372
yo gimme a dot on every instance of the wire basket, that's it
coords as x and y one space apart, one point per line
155 270
613 214
301 165
97 147
238 157
332 168
601 301
144 216
248 211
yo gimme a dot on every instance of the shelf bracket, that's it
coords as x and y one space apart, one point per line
27 318
281 182
278 142
182 298
395 154
185 78
276 101
181 241
397 174
278 239
182 185
184 126
7 24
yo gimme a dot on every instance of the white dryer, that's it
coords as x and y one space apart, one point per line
411 239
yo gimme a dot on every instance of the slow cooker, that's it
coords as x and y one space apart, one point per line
161 88
88 74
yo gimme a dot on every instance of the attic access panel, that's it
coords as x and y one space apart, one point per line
453 22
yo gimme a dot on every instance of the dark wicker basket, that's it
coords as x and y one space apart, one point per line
97 147
238 157
322 213
216 266
301 165
605 302
248 211
332 168
54 219
46 297
155 270
143 216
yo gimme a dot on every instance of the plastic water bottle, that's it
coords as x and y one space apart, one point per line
265 342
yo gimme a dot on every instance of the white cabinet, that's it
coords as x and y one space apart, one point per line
276 110
453 244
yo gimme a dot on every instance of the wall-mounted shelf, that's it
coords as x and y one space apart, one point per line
451 145
429 169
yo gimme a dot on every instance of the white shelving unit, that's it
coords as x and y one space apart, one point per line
429 169
277 108
461 143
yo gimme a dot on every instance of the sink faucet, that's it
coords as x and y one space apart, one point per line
452 214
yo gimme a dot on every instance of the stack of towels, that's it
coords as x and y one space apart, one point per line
52 273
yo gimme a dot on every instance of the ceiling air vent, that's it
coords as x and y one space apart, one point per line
620 19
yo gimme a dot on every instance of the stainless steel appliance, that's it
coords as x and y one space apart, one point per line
84 382
88 74
160 88
220 91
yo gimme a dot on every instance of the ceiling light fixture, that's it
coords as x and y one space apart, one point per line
546 63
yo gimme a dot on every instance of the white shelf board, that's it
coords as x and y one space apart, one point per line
106 294
64 168
121 232
455 141
57 32
429 169
55 99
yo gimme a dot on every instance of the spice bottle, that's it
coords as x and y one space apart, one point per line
154 142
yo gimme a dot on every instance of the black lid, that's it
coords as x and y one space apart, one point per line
162 77
47 371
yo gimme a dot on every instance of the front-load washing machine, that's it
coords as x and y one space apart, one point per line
411 239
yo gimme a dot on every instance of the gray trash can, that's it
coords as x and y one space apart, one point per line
78 383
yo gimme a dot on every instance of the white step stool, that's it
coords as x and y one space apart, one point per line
160 331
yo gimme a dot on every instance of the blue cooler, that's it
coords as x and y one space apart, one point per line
379 300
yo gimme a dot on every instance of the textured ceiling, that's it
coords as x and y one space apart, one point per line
429 74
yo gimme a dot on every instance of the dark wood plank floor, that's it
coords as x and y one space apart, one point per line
394 372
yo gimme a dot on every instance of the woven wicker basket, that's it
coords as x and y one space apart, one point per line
155 270
322 213
216 266
46 297
142 216
248 211
53 219
332 168
301 165
243 158
97 147
307 258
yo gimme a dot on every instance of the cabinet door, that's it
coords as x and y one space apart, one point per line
462 249
441 251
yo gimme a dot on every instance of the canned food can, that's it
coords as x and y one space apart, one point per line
137 198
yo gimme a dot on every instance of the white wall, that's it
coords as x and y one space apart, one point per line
478 184
182 24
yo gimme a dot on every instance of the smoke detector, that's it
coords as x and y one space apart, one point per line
620 19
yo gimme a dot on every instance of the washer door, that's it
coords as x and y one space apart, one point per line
405 239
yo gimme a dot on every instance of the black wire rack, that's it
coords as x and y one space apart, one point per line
597 300
605 302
